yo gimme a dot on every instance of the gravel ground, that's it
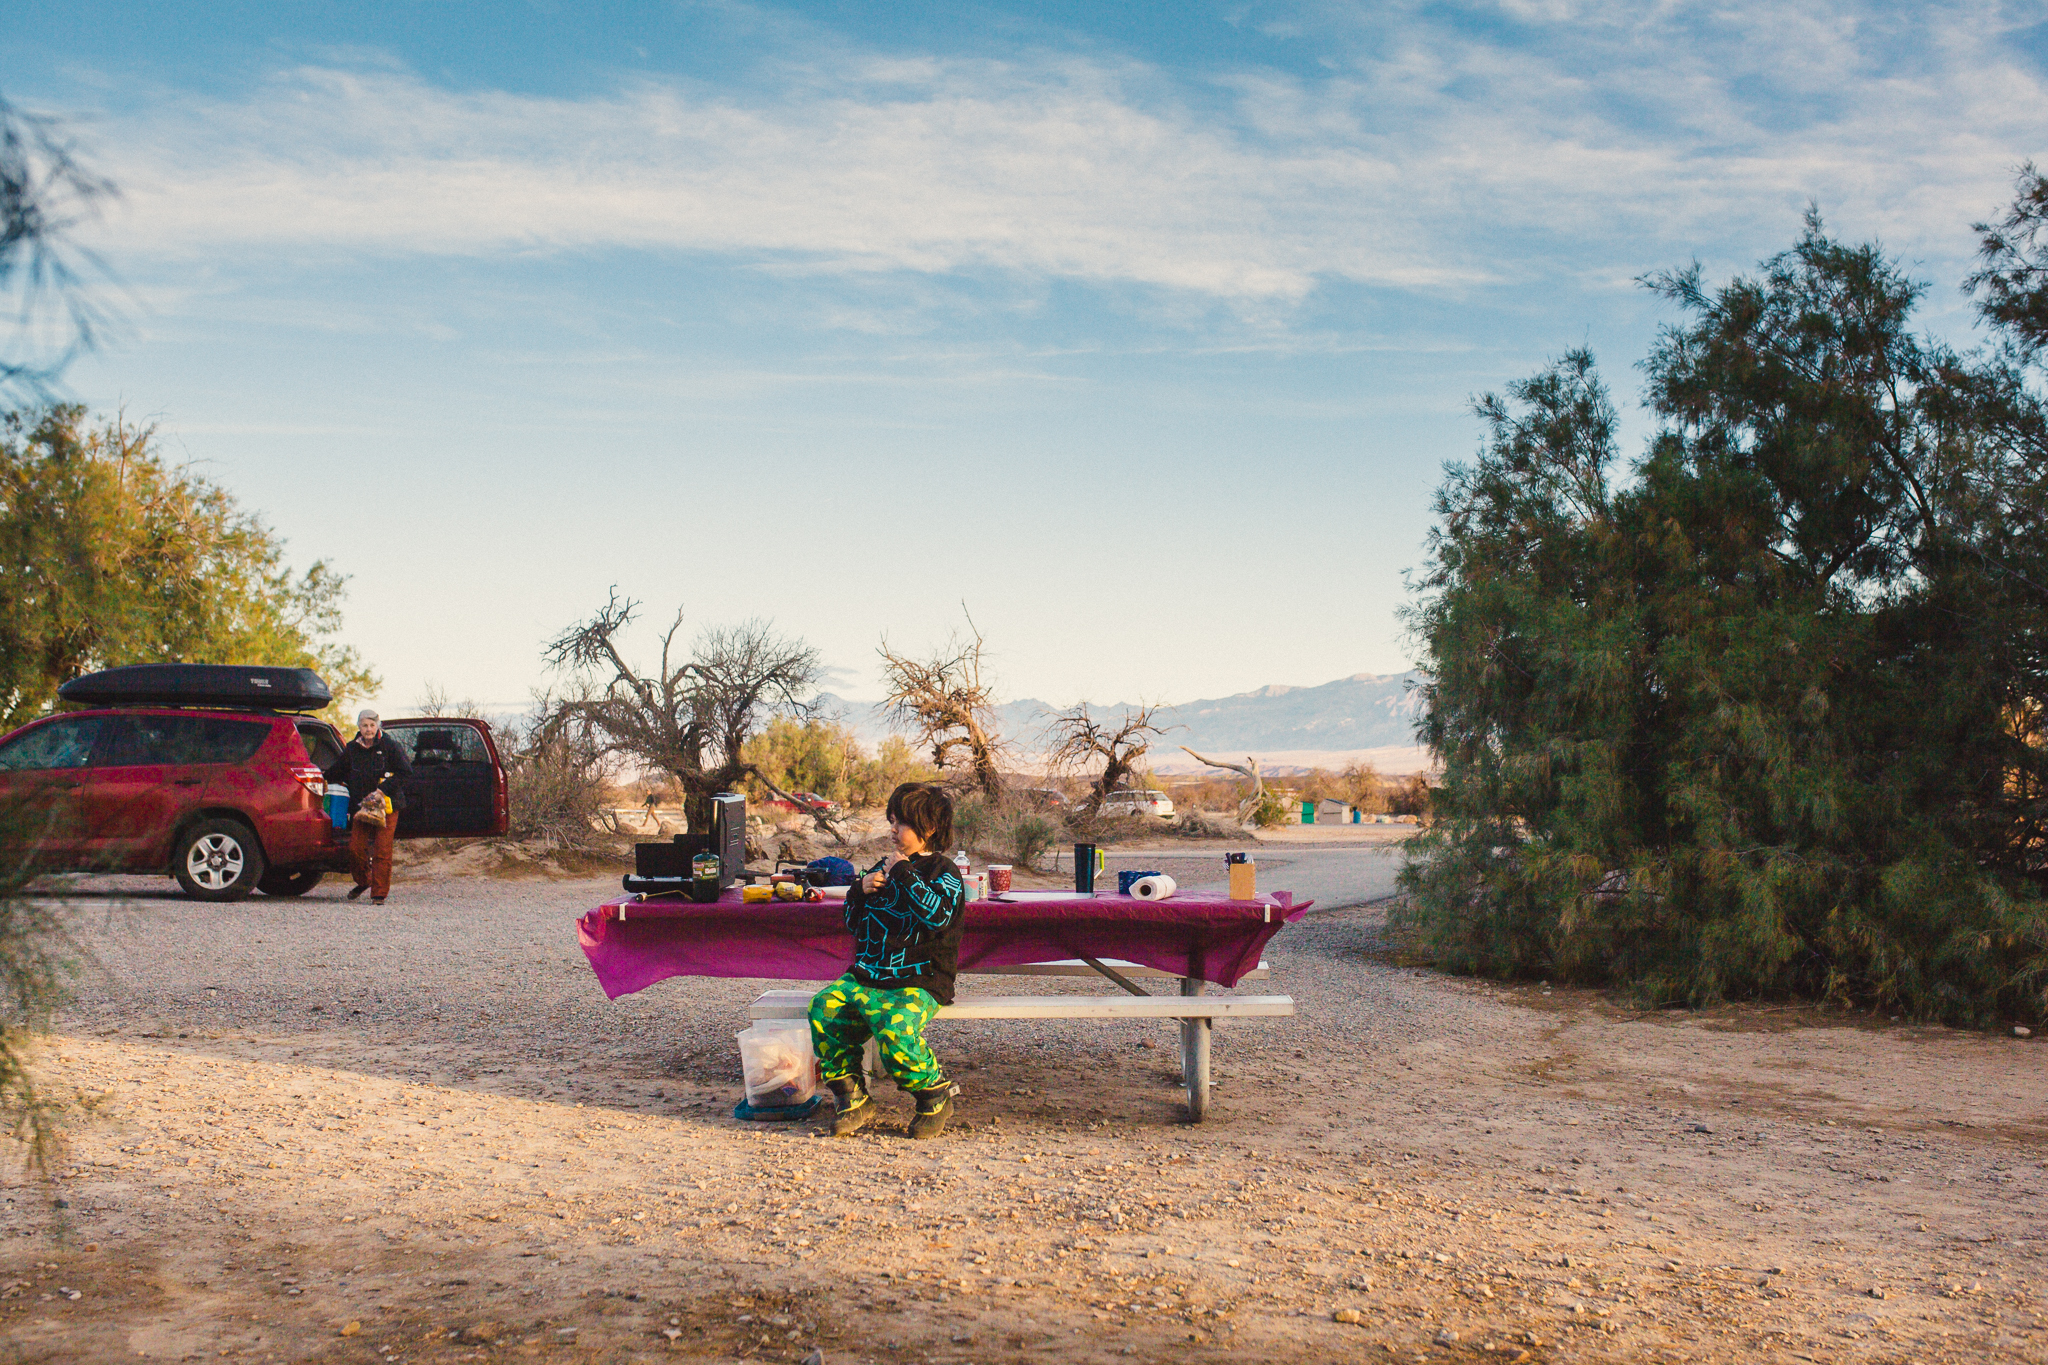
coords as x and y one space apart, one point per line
321 1130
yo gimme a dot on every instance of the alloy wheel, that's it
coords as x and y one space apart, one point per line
215 862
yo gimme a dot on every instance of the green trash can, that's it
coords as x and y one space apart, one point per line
1308 812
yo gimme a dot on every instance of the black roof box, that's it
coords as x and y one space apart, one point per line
237 685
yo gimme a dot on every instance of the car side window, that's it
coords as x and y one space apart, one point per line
60 744
440 746
182 740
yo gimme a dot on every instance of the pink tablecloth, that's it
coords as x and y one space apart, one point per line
1213 939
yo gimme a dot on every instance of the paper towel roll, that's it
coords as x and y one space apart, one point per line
1153 888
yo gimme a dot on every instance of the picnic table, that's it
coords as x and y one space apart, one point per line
1201 939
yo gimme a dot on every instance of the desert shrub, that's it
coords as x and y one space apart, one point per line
1409 796
975 818
1031 834
1272 809
558 786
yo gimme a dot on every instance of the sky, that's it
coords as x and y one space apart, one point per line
1141 332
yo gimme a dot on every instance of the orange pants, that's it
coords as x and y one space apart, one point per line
369 854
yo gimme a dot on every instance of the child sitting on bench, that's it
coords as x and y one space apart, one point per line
905 917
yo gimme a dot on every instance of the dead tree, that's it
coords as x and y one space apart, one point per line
1075 740
1250 768
688 717
944 702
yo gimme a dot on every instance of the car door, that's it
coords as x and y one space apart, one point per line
150 771
43 770
457 787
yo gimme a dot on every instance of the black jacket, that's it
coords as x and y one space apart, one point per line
379 766
908 933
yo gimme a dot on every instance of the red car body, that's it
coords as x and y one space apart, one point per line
138 788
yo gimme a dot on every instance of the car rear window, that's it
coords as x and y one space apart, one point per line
320 745
60 744
440 745
181 740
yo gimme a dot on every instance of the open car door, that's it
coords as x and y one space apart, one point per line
457 788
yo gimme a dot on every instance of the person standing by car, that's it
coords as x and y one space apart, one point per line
370 763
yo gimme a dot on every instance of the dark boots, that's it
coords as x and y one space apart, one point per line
934 1107
855 1108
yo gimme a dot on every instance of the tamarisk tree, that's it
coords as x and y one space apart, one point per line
1764 716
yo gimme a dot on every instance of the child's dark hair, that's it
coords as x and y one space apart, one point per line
926 809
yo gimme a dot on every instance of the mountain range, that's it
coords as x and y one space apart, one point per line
1368 717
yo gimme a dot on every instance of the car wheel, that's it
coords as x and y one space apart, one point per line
218 860
278 882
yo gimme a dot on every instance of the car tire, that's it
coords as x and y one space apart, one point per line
218 860
281 882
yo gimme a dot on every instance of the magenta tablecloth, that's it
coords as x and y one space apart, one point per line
1213 939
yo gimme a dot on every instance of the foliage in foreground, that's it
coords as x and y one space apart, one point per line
109 555
1767 717
37 960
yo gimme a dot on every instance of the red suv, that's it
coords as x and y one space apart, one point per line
179 771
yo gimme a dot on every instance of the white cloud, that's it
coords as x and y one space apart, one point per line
1445 161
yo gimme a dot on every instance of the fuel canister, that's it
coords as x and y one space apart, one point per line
706 879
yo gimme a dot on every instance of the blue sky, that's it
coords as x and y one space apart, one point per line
1145 330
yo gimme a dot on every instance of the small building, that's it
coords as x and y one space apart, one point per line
1332 812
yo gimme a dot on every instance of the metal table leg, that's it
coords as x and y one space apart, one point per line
1194 1054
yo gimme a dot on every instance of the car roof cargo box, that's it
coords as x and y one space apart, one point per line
234 685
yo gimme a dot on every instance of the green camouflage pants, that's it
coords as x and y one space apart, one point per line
846 1013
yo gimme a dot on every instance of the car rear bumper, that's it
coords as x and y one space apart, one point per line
304 839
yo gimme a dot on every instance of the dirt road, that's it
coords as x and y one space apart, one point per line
319 1130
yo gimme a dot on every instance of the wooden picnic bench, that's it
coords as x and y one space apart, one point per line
1196 1011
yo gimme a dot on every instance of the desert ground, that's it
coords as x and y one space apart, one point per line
319 1130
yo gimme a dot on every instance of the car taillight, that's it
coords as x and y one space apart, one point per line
312 779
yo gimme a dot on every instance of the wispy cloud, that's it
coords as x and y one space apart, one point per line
1576 137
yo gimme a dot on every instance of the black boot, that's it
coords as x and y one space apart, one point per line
850 1098
934 1107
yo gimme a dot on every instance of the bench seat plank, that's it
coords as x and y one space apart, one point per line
1076 967
797 1004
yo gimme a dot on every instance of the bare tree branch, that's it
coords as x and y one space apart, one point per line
944 701
690 719
1250 768
1075 740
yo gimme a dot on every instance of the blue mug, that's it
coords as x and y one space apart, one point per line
1125 879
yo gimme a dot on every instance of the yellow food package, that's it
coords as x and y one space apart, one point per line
755 895
788 891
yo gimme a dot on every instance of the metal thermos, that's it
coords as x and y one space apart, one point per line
1084 869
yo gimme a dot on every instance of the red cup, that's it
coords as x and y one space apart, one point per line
998 879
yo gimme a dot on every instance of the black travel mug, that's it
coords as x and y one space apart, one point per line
1084 869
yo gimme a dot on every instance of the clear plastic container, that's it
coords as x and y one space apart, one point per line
777 1061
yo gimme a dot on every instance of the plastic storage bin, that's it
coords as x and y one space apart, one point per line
776 1058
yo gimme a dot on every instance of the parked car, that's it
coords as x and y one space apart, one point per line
1045 798
213 775
1138 803
811 803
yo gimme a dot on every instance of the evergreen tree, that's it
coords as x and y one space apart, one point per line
1765 716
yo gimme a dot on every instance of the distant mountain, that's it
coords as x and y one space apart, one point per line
1366 711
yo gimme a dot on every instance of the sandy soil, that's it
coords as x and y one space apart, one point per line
316 1130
